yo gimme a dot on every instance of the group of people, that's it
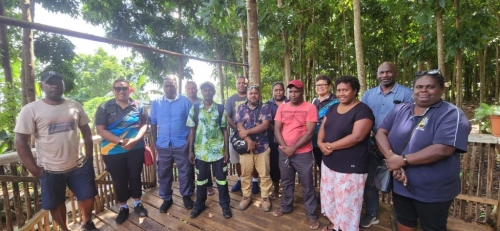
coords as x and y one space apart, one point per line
416 134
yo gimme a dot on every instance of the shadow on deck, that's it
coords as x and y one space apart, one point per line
253 218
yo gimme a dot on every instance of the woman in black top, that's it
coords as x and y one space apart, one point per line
345 163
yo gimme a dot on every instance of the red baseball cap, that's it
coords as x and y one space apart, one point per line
296 83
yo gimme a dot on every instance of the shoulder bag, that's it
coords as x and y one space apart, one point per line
239 144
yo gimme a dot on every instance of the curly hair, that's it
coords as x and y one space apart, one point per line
352 81
323 77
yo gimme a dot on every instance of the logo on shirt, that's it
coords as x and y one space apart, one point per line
422 123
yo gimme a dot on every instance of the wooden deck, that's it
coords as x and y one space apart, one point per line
253 218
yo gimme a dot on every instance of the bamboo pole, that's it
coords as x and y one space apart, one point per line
57 30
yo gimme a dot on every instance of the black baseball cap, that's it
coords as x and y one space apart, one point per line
207 84
49 74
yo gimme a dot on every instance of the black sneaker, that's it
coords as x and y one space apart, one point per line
89 226
140 210
226 212
165 206
368 220
122 215
188 203
197 211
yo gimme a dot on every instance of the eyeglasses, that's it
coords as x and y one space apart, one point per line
253 87
428 72
322 85
118 89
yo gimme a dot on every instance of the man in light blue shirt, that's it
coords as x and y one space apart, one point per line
381 100
168 117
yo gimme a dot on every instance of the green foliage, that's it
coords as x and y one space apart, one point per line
91 105
482 113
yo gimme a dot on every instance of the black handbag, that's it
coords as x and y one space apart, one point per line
239 144
383 177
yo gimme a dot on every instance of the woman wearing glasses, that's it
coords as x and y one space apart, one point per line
422 142
345 158
122 123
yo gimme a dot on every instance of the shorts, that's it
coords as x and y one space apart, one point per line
234 157
432 216
80 181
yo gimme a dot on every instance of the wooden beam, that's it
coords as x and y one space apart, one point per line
17 179
483 138
30 224
477 199
57 30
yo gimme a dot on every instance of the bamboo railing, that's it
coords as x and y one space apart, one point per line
477 202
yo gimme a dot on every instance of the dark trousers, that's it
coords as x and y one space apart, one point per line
274 156
219 169
125 170
371 192
192 187
318 157
164 168
302 164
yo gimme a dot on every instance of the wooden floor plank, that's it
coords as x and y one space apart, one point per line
108 217
144 223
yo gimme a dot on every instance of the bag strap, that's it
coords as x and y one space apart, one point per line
220 108
411 134
196 108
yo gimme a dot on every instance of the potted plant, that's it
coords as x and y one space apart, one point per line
493 111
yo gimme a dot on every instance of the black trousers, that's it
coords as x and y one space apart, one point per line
318 157
125 169
203 174
192 174
274 169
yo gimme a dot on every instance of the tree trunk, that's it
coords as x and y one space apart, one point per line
347 61
286 56
180 66
358 44
440 47
482 74
10 106
421 63
28 65
221 78
459 61
253 43
244 52
497 76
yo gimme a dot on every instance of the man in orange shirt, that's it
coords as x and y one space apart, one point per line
297 120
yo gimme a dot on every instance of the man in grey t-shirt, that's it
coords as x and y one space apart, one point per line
231 106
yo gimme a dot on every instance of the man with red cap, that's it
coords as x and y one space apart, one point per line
294 127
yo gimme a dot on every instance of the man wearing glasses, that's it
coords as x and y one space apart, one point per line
253 119
168 116
232 104
381 99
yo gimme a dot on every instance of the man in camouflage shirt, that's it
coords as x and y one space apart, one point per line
208 140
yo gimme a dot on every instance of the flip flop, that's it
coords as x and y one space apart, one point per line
279 212
313 223
273 195
210 191
327 228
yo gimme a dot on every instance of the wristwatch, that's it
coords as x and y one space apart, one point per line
120 142
405 160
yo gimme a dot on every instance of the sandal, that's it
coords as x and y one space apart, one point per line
273 195
279 212
327 228
313 223
210 191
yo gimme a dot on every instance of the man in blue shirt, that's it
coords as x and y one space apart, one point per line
168 116
381 100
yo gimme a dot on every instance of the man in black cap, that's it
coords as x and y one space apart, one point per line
54 121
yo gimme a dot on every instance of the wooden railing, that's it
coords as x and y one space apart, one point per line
477 202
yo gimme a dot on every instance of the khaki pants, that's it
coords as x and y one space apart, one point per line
261 163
